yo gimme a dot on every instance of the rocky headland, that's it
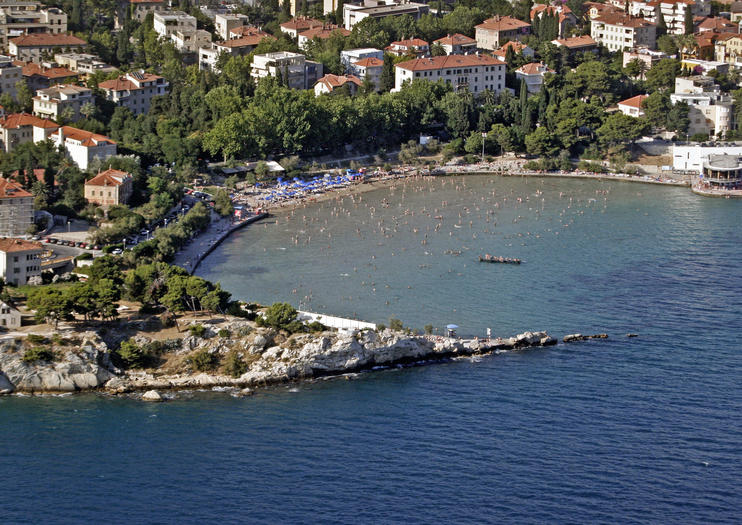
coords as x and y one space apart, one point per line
234 353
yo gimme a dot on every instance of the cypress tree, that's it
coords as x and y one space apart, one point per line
689 28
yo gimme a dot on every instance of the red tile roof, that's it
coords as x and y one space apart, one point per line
38 173
457 39
300 24
335 81
87 138
410 42
10 189
244 41
29 69
502 23
109 177
534 68
517 47
47 40
450 61
634 102
324 32
576 42
18 120
8 244
623 20
369 62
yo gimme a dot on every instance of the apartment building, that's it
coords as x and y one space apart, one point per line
533 74
42 76
622 32
83 146
410 46
711 111
300 24
476 73
19 260
293 69
241 46
19 128
494 32
134 90
29 18
62 100
354 13
16 209
225 23
83 63
37 46
10 75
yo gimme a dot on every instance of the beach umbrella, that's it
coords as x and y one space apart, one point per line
452 327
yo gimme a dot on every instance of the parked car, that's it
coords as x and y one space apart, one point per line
117 251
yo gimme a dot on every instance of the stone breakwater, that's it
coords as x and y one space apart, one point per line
269 356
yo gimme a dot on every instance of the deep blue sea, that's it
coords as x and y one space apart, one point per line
628 430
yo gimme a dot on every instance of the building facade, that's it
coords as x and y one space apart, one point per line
36 46
62 100
621 32
83 146
710 111
134 90
494 32
354 13
109 188
10 75
16 209
10 318
19 260
293 69
476 73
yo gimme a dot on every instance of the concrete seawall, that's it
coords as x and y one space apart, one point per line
221 238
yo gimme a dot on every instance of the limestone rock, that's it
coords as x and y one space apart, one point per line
152 395
6 387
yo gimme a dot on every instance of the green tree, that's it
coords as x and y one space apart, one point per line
540 142
279 315
223 204
24 95
661 76
619 129
51 305
387 73
661 25
688 24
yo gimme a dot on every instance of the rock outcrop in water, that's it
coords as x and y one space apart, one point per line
269 357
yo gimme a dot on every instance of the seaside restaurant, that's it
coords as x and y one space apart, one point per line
722 172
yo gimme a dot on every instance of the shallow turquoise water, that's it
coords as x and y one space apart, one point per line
625 430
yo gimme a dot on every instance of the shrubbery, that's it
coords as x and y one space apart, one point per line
38 353
197 330
234 364
202 360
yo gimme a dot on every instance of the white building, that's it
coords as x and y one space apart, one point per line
673 11
632 106
692 157
16 209
293 69
83 146
711 111
19 128
533 74
329 83
9 317
354 13
10 75
62 100
350 56
83 63
134 90
620 32
36 46
19 260
476 73
369 68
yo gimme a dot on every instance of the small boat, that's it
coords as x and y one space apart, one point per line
502 260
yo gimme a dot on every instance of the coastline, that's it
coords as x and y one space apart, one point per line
271 358
208 243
